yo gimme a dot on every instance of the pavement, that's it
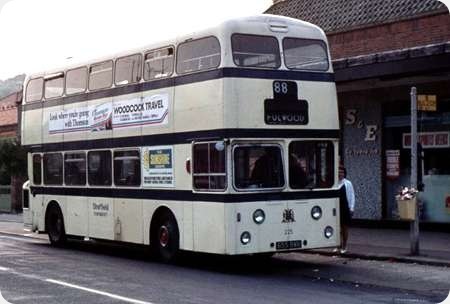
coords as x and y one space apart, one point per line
364 243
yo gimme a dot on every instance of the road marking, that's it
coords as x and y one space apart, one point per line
107 294
103 293
2 299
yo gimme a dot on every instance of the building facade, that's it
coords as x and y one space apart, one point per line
10 186
380 49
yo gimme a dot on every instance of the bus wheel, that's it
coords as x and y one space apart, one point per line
54 223
165 237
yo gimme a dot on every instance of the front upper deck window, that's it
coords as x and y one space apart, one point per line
305 54
198 55
34 90
258 167
255 51
311 164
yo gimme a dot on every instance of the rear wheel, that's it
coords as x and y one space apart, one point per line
54 223
165 237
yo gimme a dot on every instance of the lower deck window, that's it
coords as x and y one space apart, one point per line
311 164
99 168
258 167
209 166
53 169
75 169
127 168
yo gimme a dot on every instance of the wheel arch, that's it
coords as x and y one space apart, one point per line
155 217
52 204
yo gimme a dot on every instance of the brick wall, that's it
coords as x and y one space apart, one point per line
398 35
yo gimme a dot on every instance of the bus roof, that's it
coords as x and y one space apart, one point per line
263 23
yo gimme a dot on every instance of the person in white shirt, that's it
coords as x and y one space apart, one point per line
347 205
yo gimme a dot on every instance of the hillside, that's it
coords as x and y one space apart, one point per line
11 85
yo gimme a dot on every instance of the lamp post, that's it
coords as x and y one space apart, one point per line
414 225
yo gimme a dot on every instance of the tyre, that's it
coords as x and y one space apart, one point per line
54 223
165 237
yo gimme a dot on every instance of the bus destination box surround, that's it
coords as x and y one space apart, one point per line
285 108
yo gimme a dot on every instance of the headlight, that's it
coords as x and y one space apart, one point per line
245 237
316 212
259 216
328 232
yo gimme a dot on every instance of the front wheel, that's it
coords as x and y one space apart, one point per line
165 238
55 225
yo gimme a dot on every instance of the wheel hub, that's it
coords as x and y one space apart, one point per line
163 236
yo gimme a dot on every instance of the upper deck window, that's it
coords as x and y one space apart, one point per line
305 54
258 166
255 51
100 75
128 69
311 164
34 89
54 85
159 63
76 81
198 55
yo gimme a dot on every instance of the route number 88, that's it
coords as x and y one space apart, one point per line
280 87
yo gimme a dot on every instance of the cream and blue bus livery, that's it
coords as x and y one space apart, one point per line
223 141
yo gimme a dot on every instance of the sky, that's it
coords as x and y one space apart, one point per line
38 35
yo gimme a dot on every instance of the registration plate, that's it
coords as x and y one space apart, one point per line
288 245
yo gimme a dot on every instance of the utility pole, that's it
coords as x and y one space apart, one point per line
414 225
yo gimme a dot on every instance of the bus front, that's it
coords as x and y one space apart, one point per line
281 113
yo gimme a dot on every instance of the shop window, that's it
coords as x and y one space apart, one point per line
75 169
99 168
209 166
53 169
127 168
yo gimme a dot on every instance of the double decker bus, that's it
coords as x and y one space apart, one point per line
222 141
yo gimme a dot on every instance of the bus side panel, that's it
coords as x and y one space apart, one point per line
128 222
150 206
163 100
101 218
61 201
199 111
209 227
77 216
37 212
52 133
32 126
